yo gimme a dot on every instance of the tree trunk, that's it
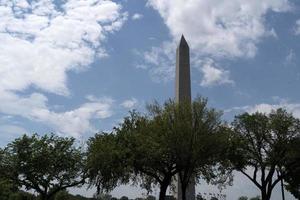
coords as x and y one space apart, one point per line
44 197
183 191
282 189
264 195
281 184
162 193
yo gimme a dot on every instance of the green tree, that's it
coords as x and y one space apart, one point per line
46 164
150 197
154 147
21 195
243 198
124 198
199 138
292 169
62 195
103 196
6 189
176 138
262 142
107 163
147 141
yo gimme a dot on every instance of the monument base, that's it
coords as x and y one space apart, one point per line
190 190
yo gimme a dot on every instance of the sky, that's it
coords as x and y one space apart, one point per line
76 67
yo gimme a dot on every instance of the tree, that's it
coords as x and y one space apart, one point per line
154 147
199 138
62 195
150 197
107 163
46 164
243 198
292 169
175 138
124 198
262 142
145 138
21 195
103 196
6 189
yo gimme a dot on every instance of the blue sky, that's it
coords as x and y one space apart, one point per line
76 67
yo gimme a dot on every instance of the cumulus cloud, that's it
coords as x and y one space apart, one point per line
41 42
297 27
163 58
137 16
218 28
72 122
267 108
130 103
213 75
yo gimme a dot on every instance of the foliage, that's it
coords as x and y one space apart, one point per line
197 137
6 189
292 168
150 197
124 198
175 138
262 141
62 195
46 164
20 195
107 163
149 150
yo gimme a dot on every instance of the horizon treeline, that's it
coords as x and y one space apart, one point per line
186 142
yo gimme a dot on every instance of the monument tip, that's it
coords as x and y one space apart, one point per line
183 42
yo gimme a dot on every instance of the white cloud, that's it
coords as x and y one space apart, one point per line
73 122
40 43
267 108
137 16
213 75
130 103
217 28
297 27
163 58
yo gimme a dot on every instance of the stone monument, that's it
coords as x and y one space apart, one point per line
183 93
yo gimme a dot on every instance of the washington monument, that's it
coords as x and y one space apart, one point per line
183 93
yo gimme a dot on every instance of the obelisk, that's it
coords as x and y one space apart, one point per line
183 79
183 93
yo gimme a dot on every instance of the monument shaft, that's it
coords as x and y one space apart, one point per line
183 93
183 80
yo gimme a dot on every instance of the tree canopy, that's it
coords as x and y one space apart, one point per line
263 143
153 147
107 163
292 168
46 164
